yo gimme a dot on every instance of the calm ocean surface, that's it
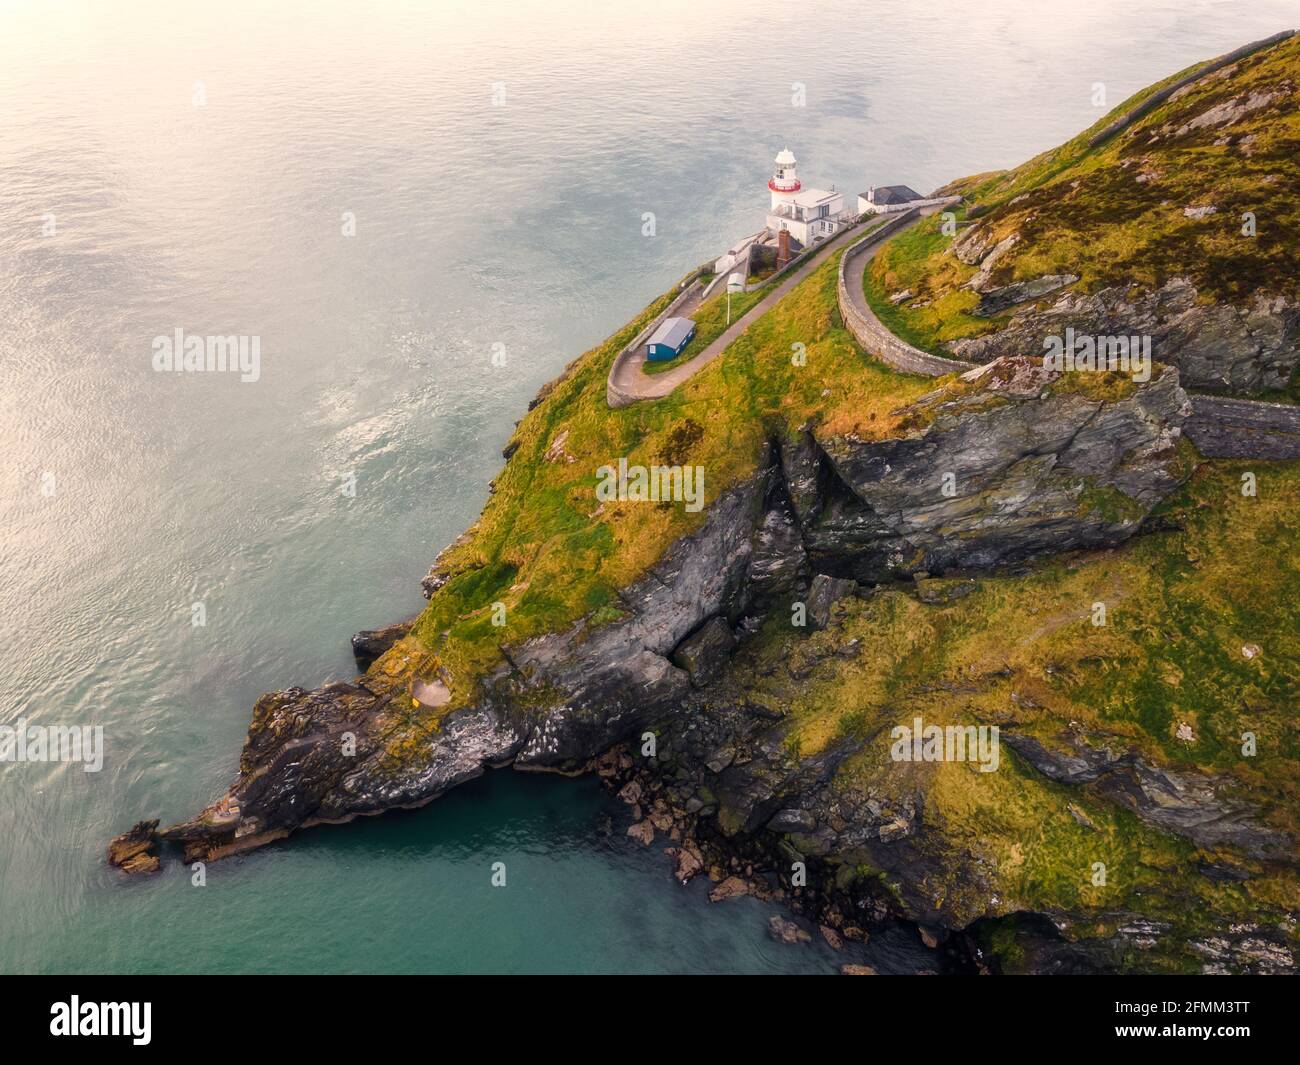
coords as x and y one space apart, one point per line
165 168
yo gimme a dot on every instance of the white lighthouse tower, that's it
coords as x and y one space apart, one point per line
784 182
808 214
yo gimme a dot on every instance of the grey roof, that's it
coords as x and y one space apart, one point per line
672 331
890 194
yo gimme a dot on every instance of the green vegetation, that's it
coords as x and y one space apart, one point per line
913 258
1201 642
1166 676
710 323
552 554
1022 651
1114 215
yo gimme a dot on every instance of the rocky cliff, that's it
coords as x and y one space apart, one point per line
1004 464
1008 462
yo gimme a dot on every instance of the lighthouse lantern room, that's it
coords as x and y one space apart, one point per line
784 179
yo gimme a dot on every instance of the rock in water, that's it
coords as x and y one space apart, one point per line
132 851
787 931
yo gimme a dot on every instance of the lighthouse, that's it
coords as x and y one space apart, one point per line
784 182
807 214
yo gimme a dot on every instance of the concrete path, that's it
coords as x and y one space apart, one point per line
631 384
868 330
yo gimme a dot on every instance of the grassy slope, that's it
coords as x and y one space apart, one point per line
710 323
1083 211
542 545
1022 651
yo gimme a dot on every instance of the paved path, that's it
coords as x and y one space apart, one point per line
868 330
628 383
1219 426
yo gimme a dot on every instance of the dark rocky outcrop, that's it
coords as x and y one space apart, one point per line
1216 346
370 644
1001 470
133 851
824 592
704 653
1186 804
996 300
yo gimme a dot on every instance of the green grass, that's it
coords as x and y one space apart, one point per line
908 262
546 549
1022 651
710 323
1083 210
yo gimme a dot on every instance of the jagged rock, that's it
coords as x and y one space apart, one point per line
972 245
804 474
1245 950
822 595
705 652
1187 804
1028 461
1214 345
730 888
996 300
787 931
998 471
984 279
689 862
643 832
1222 114
369 644
857 970
778 563
792 821
832 937
132 851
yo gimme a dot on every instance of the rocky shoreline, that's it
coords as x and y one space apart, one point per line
656 703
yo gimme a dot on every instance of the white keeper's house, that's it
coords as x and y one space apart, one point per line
809 214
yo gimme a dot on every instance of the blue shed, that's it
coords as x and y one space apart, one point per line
669 339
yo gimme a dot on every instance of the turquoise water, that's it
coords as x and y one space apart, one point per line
197 168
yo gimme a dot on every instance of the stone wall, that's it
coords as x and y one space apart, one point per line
867 328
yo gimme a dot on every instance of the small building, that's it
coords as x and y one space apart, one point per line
670 339
885 199
806 214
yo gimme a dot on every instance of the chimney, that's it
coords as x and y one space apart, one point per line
782 248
